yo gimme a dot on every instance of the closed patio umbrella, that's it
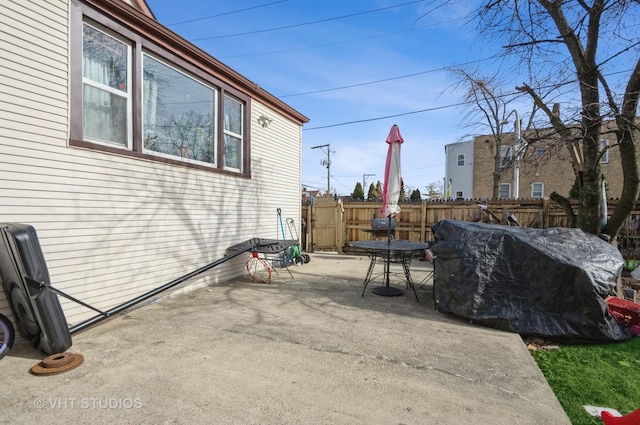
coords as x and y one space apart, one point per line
392 176
390 196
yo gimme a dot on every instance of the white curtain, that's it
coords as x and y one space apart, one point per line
97 103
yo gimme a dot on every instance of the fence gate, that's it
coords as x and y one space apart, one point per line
327 225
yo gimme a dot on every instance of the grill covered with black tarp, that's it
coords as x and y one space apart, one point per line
536 282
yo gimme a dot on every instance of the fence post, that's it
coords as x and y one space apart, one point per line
423 222
341 227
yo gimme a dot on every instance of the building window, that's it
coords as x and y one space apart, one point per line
604 147
459 195
106 87
505 191
537 190
460 160
538 151
138 99
505 156
178 113
233 114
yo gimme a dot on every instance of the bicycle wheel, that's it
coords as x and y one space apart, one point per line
7 335
258 269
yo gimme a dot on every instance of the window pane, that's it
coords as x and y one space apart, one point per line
104 116
505 155
104 59
232 116
505 190
604 146
460 160
177 113
232 152
233 139
105 92
537 190
538 151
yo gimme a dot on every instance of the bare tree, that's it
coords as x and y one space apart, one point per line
433 191
488 107
590 49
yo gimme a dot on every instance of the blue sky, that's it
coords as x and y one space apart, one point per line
353 62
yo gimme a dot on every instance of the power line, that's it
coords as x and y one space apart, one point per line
308 23
386 117
337 43
436 108
393 78
225 13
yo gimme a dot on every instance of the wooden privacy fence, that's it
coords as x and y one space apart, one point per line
329 225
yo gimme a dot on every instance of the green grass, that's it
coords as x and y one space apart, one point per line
605 375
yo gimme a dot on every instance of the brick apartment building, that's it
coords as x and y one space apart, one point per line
545 167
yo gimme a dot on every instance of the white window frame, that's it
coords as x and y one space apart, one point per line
460 160
127 95
230 133
537 194
214 135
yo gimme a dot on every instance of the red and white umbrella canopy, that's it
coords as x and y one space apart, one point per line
392 174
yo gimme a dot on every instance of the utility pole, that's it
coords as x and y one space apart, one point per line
364 182
326 162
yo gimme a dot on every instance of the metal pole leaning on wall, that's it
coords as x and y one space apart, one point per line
139 299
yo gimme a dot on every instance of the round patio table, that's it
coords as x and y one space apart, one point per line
389 251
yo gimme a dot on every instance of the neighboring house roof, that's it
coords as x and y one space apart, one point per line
136 15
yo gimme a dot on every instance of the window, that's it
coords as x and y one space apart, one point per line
232 133
538 151
604 146
505 156
133 97
459 195
505 191
460 160
178 113
537 190
105 88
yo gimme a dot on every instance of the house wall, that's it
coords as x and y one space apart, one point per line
460 176
113 227
553 168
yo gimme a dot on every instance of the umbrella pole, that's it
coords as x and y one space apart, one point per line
388 259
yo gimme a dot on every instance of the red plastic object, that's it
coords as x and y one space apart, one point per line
632 418
624 311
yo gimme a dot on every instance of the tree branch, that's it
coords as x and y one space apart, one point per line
566 207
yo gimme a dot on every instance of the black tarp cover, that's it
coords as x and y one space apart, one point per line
537 282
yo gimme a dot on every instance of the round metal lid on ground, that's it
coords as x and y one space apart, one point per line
57 363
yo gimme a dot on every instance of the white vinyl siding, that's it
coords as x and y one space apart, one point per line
113 227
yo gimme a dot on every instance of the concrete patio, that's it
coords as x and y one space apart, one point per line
303 350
